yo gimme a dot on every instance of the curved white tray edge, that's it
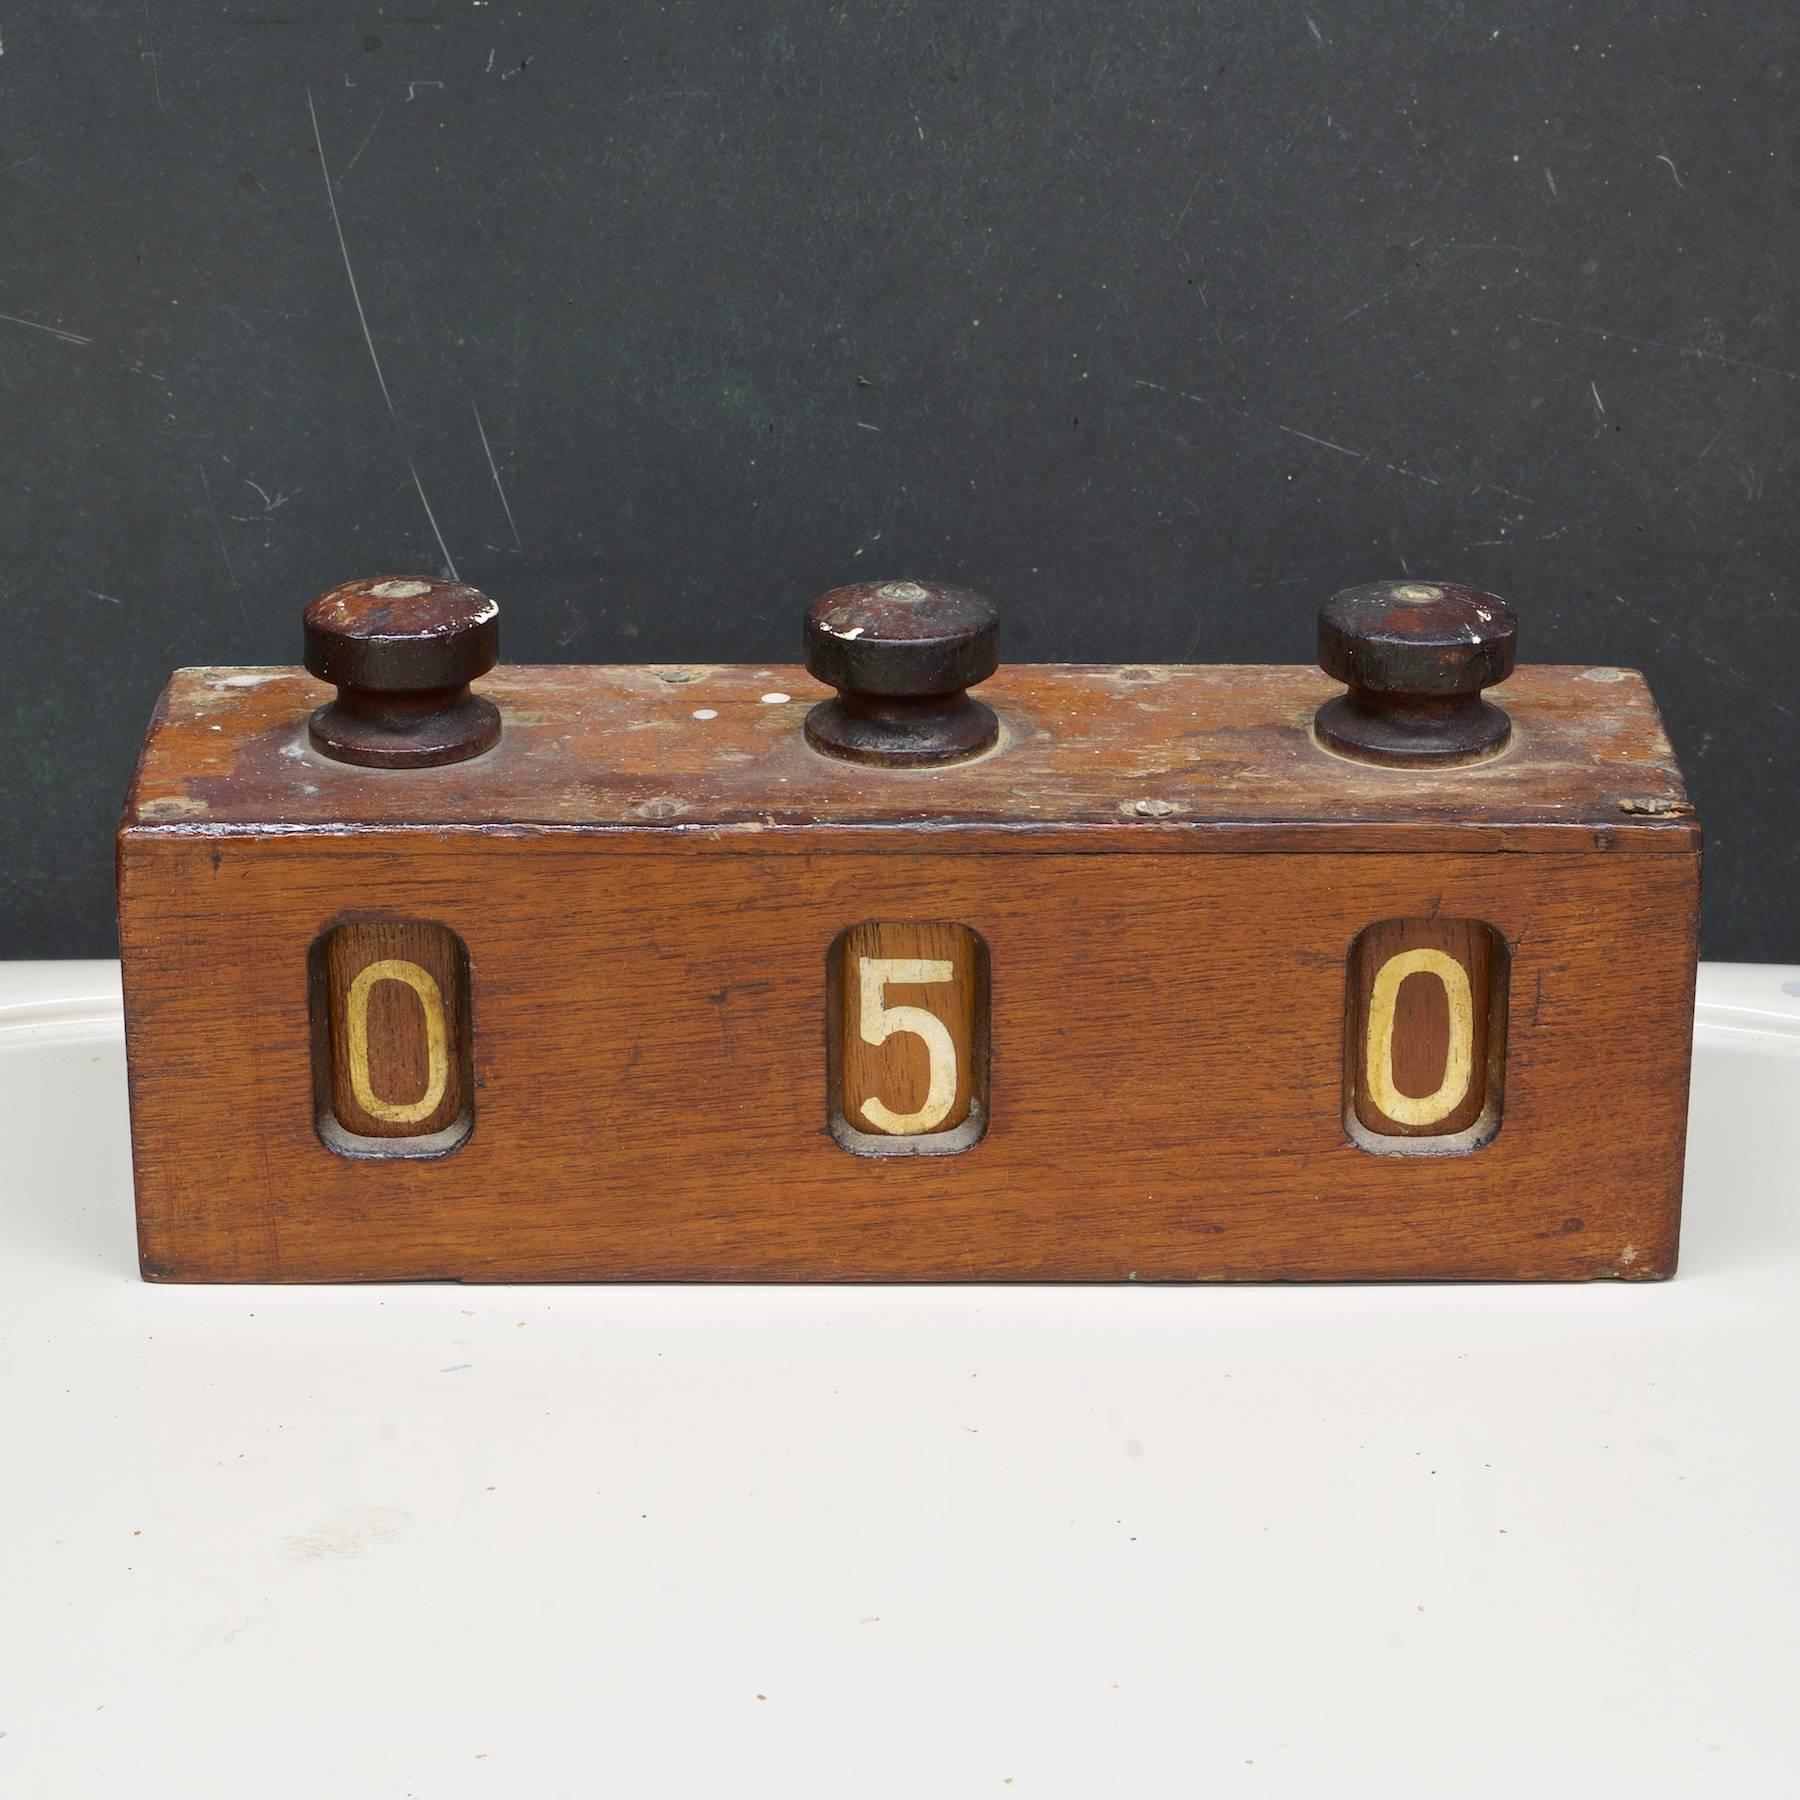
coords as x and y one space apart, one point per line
41 1000
1750 1004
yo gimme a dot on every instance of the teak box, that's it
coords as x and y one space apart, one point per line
1149 930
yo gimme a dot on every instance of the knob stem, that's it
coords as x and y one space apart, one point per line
897 732
1412 730
405 731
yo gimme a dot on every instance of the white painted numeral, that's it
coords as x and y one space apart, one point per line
437 1045
1459 1058
877 1022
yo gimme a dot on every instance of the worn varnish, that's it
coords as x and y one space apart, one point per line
1168 877
1180 758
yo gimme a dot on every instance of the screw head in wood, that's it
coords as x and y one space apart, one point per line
401 652
902 656
1415 656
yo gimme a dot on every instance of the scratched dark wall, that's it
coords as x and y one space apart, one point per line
1158 321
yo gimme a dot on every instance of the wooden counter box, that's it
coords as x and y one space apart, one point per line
1155 989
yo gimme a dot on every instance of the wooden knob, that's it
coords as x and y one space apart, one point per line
1415 655
401 653
902 656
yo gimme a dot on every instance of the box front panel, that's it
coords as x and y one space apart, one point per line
1164 1072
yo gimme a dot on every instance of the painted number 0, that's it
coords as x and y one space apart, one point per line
1459 1056
877 1022
437 1048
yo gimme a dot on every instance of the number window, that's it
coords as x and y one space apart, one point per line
1425 1036
908 1035
392 1064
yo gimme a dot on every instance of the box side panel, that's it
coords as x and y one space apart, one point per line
191 1042
649 1065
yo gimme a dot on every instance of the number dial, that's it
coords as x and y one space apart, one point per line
909 1036
1425 1037
395 1042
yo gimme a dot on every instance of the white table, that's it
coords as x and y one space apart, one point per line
447 1541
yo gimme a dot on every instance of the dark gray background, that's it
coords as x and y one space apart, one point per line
1157 321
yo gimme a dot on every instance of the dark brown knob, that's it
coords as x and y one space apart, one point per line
1415 655
401 653
902 656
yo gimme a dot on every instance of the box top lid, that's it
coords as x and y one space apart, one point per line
1104 757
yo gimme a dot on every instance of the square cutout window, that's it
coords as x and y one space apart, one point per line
393 1069
907 1009
1425 1036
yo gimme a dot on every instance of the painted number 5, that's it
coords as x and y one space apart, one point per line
877 1022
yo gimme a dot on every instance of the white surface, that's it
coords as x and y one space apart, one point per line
446 1541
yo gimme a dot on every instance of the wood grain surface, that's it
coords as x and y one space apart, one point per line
906 1082
650 1034
1174 759
391 1028
1433 1034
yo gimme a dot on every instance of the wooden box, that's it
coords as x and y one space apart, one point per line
1160 943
